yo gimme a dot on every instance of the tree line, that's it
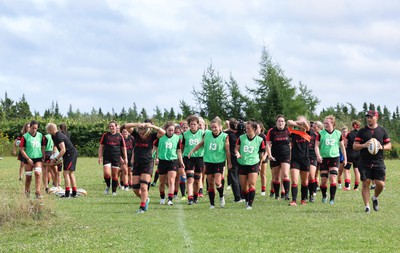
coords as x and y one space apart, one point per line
274 93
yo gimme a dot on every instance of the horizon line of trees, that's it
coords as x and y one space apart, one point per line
273 94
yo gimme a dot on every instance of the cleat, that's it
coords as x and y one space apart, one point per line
271 195
324 200
38 196
314 194
228 187
162 201
263 193
184 198
153 184
303 202
239 201
212 207
367 209
355 189
127 188
375 205
331 202
170 203
312 199
293 203
339 186
222 202
190 202
27 195
140 211
146 207
122 188
287 197
114 194
201 195
64 196
346 189
373 186
176 197
107 190
249 207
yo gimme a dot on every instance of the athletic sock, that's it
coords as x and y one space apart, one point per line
170 196
114 184
223 181
195 196
74 191
347 183
295 190
211 195
108 181
332 191
246 196
324 189
221 191
182 185
304 191
176 193
263 188
310 187
155 177
286 185
67 191
277 187
162 195
252 194
356 183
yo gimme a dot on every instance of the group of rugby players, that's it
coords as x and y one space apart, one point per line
188 153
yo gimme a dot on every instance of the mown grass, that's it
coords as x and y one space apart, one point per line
100 223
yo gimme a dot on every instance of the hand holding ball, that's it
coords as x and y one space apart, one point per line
373 146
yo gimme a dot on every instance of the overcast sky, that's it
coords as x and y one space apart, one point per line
110 54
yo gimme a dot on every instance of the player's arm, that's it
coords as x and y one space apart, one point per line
197 147
228 152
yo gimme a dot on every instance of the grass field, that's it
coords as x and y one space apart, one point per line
102 223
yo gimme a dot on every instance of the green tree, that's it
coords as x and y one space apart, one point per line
211 98
23 109
237 102
186 109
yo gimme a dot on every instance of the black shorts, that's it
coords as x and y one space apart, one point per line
70 161
114 160
313 161
329 163
355 165
194 163
300 164
376 170
129 161
21 157
214 168
165 166
247 169
35 160
279 160
139 169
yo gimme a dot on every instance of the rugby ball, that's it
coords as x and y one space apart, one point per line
55 189
81 192
373 147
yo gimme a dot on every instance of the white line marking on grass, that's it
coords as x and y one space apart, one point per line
181 223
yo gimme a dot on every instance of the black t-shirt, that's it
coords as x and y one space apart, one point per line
280 140
59 138
143 148
113 143
233 137
367 133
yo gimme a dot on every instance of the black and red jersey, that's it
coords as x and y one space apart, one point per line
311 144
280 140
365 134
143 148
113 143
129 142
300 147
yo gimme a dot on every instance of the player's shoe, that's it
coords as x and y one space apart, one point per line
222 202
367 209
212 207
249 207
107 190
303 202
375 205
263 193
140 211
162 201
114 194
146 207
293 203
170 203
331 202
324 200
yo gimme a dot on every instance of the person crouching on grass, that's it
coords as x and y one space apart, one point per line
216 152
143 159
250 150
169 157
69 154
